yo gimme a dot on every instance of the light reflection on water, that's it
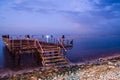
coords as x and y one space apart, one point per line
85 48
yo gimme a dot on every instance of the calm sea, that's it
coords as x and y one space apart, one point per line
85 48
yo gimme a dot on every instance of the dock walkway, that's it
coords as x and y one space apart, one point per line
50 53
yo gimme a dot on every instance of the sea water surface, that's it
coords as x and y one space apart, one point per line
84 48
93 47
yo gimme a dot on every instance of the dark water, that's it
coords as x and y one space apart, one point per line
88 48
85 48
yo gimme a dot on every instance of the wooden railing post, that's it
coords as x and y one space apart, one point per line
59 42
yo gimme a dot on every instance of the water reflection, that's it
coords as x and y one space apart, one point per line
7 61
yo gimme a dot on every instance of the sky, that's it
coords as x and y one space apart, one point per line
60 17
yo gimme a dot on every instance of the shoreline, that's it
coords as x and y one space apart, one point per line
101 61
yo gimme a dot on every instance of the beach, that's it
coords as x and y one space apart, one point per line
105 69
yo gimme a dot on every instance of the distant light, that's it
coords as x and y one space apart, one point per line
47 36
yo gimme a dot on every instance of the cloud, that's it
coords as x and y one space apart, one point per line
59 5
18 8
19 1
1 17
75 7
92 16
36 4
104 17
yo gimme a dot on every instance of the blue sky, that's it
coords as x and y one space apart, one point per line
60 17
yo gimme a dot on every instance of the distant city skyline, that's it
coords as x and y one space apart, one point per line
60 17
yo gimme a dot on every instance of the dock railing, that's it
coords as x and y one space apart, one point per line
39 45
61 43
65 43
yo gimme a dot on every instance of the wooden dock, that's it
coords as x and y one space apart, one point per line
50 53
